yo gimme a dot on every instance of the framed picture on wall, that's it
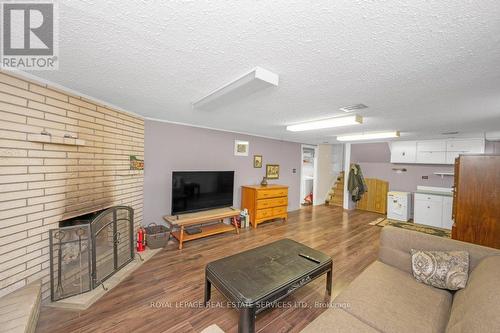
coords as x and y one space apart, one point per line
257 161
241 148
272 171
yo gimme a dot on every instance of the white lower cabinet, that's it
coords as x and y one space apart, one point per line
433 210
447 212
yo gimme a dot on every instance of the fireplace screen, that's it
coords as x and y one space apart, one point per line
70 262
85 254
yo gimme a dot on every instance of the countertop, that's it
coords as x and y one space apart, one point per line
444 194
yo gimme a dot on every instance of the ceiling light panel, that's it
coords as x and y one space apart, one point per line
326 123
258 78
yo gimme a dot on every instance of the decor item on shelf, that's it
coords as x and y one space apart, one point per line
44 132
241 148
264 181
272 171
257 161
135 163
399 170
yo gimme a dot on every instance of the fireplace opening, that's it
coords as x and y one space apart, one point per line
88 249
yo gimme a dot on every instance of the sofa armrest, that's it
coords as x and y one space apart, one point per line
396 243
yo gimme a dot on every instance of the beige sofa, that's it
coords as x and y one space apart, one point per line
386 297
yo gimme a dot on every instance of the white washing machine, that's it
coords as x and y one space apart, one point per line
399 206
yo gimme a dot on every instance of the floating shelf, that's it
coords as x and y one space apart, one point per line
55 140
442 174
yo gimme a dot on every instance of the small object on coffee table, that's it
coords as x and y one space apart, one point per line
193 231
240 277
310 258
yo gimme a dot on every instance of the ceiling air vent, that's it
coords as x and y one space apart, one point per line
354 107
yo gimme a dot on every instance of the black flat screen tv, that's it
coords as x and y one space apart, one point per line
194 191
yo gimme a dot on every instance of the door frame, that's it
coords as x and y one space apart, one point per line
315 170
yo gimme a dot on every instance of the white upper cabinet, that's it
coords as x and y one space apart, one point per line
456 147
403 152
431 152
434 151
431 145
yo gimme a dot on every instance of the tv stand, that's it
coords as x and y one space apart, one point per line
184 221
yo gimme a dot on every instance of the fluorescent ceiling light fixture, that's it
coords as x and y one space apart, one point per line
258 78
368 136
326 123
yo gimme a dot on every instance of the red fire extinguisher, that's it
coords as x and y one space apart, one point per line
141 240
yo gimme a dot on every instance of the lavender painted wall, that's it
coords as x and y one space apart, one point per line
171 147
492 147
374 159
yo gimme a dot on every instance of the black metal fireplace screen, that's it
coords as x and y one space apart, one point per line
87 250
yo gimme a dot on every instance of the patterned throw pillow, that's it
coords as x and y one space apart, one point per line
441 269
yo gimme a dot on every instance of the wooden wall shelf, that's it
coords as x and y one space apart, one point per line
442 174
55 140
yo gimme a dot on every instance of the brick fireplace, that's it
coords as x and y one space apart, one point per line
61 156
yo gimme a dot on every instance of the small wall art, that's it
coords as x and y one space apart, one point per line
272 171
135 163
241 148
257 161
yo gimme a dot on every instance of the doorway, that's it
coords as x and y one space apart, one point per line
308 174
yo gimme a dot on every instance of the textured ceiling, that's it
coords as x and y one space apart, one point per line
422 67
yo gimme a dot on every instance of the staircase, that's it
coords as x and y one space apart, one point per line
335 196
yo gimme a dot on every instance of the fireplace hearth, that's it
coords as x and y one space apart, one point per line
88 249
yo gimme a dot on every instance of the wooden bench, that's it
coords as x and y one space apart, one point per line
184 221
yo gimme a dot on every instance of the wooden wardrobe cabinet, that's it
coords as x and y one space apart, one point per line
375 200
476 200
265 202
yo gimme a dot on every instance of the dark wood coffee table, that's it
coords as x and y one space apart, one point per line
256 279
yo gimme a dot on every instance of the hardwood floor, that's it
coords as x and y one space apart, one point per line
166 294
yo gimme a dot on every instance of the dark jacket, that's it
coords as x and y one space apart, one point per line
356 183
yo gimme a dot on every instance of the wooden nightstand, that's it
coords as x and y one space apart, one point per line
265 202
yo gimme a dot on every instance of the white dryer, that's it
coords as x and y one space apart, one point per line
399 206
